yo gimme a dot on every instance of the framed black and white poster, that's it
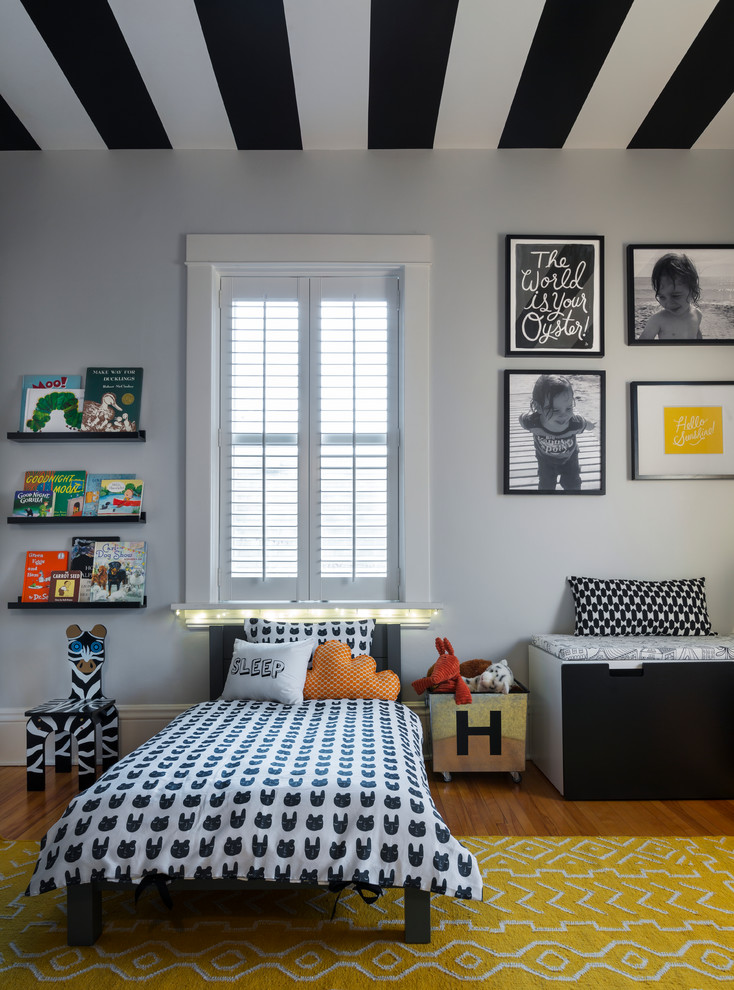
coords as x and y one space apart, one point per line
554 433
555 295
680 294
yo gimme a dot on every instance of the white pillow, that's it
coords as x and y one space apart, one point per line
356 633
268 671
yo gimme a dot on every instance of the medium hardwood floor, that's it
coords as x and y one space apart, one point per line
470 804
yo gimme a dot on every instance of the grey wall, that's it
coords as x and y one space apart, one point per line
91 272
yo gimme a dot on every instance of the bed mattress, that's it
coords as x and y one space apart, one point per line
636 647
324 792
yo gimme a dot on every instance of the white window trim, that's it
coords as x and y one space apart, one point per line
208 257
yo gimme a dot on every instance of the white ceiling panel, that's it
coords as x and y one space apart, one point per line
488 51
330 52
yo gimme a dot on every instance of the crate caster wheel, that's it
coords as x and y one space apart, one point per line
446 776
516 777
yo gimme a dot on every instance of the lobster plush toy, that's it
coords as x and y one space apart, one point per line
444 677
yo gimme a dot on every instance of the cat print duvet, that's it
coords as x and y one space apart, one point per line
325 792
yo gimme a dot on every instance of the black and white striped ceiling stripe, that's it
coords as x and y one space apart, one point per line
14 135
394 57
571 42
409 50
86 41
697 90
248 45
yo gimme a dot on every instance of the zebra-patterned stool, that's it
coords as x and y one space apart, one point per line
79 715
66 717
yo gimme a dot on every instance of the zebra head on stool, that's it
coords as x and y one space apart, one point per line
86 654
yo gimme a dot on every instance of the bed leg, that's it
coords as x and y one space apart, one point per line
417 914
83 913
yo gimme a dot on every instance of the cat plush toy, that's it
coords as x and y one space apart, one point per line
496 679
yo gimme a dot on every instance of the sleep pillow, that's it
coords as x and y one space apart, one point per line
626 607
268 671
335 674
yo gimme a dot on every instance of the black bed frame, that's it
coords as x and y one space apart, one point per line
84 901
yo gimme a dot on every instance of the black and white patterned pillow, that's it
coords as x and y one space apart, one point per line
356 633
619 607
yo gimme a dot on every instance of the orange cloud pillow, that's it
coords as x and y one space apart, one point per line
335 674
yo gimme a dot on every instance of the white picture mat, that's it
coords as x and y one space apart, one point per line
651 459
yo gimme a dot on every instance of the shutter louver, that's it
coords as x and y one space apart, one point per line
308 442
354 409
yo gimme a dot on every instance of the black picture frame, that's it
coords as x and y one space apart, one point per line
682 430
554 292
527 465
713 264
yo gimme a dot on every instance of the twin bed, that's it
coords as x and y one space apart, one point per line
330 792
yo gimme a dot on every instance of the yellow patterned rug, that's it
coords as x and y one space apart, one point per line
602 913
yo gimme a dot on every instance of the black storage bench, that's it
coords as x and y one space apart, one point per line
633 717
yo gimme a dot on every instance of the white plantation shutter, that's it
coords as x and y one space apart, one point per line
309 438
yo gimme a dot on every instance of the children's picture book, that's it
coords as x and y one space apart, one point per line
112 400
65 586
38 481
91 493
67 486
120 497
53 410
39 566
118 571
81 559
33 504
75 505
61 382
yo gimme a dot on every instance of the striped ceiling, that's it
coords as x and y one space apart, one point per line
339 74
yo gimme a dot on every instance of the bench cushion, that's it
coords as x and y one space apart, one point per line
636 647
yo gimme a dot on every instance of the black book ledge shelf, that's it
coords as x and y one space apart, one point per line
69 606
109 521
73 436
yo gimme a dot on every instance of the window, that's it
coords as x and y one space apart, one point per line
342 501
309 438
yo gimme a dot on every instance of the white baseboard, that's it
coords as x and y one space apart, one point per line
137 724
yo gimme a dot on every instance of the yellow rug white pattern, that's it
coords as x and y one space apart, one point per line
604 912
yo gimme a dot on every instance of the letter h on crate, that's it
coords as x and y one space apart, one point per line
80 715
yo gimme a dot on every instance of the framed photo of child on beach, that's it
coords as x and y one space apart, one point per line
680 294
682 430
554 433
554 289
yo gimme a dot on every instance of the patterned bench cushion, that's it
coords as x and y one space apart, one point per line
636 647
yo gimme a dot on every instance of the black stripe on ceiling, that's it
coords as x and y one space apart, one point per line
13 135
410 42
248 46
698 88
571 42
86 41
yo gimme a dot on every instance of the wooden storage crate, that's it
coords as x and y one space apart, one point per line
488 734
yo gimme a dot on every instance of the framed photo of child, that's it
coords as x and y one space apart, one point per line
680 294
554 288
554 433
